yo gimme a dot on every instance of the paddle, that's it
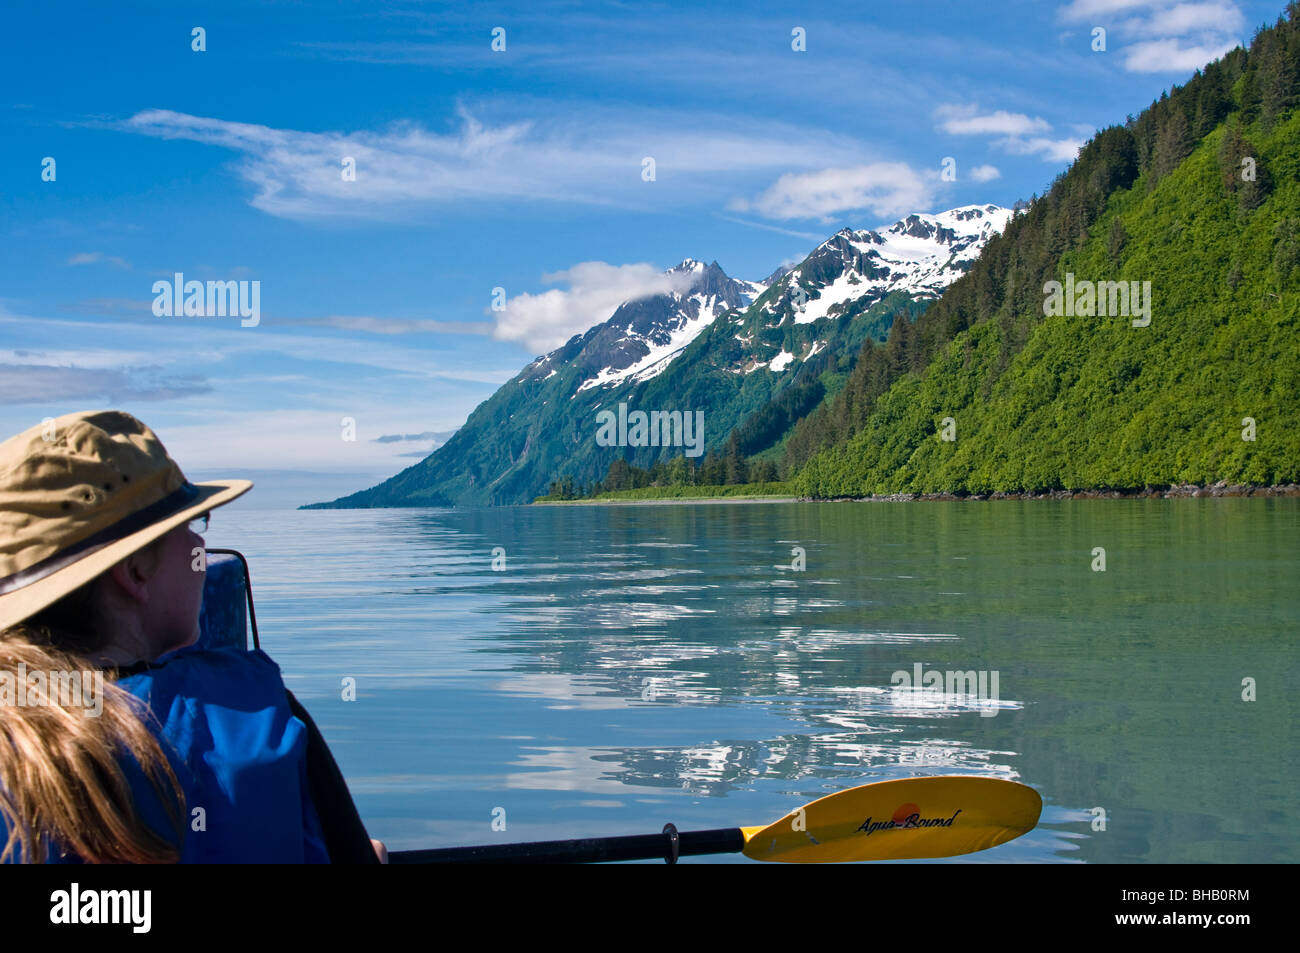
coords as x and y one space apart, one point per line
888 820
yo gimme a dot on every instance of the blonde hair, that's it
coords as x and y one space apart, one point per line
61 778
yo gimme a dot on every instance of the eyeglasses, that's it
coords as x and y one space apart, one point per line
199 525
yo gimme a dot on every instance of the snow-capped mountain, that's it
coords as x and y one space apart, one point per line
643 336
701 346
918 256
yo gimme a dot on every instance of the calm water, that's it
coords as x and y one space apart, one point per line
637 665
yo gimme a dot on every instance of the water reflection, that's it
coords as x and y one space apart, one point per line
673 655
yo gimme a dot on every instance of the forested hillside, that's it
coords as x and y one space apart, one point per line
1197 199
1198 196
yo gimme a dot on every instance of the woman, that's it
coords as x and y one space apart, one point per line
119 740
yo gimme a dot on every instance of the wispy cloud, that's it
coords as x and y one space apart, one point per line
213 436
1083 9
810 236
439 435
1019 134
545 321
589 157
985 173
1051 150
44 383
960 120
882 188
1173 56
1182 18
376 325
433 439
137 343
96 257
643 47
136 306
1165 36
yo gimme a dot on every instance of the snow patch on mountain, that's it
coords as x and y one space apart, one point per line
692 322
779 362
920 256
641 338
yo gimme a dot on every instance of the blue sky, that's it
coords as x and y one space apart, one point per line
521 168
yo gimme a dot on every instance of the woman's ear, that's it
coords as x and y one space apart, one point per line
134 573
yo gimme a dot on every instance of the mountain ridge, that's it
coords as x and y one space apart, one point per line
628 355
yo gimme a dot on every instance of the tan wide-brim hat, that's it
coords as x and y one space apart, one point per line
80 493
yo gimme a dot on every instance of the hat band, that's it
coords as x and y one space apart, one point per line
169 505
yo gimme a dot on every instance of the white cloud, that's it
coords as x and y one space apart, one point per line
1185 18
966 120
1084 9
1016 129
1052 150
882 188
985 173
545 321
1169 55
592 157
1165 35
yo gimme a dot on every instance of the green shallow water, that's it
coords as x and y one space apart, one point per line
642 664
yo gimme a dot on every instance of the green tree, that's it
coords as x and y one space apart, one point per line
678 471
737 470
619 475
1174 142
1245 175
1116 241
563 489
1286 251
713 472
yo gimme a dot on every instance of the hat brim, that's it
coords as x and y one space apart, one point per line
30 599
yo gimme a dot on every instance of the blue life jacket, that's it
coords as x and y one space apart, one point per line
239 753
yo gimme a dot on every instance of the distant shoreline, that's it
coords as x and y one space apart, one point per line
1178 491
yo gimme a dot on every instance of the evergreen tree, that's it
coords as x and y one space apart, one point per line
1071 415
678 471
737 471
1250 97
1174 143
619 476
1244 174
764 471
1277 78
713 472
1117 240
563 489
1286 252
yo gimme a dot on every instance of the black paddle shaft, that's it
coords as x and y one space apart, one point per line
592 850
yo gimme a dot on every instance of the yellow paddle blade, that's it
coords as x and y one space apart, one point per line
892 820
